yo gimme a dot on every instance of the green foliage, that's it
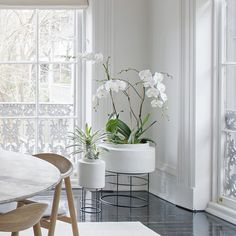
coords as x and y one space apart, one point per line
119 132
84 141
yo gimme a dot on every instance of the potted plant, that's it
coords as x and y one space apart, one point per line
129 149
91 170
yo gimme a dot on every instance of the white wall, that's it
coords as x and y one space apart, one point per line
164 27
182 45
174 37
130 47
130 33
120 31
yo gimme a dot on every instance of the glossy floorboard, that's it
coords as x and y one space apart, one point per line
161 216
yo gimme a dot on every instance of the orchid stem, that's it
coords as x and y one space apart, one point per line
106 67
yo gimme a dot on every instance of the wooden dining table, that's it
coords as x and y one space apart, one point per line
23 176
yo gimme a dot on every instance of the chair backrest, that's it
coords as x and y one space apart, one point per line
63 164
22 218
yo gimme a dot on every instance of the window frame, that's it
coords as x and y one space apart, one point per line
222 130
78 77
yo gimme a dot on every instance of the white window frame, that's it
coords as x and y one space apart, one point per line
223 131
79 76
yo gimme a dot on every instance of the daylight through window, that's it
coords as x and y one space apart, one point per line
39 78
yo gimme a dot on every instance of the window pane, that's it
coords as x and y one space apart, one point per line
53 135
56 35
56 83
230 75
231 30
37 89
56 109
17 35
17 135
17 83
230 167
17 109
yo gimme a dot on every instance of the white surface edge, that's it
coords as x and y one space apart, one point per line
222 212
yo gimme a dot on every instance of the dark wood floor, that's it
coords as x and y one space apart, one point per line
162 217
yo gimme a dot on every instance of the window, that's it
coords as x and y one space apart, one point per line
228 108
40 78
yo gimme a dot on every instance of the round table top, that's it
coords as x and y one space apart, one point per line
23 176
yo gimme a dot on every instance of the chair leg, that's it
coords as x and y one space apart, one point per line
15 234
71 205
53 218
19 204
37 230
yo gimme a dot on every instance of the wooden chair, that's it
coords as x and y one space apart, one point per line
23 218
66 168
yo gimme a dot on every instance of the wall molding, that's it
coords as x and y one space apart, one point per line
217 170
222 212
186 154
102 41
165 167
176 184
163 185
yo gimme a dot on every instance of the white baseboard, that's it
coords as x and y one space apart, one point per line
163 185
166 186
185 197
222 212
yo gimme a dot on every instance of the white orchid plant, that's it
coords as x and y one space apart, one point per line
149 85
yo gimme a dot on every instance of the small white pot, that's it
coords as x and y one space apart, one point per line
91 173
129 158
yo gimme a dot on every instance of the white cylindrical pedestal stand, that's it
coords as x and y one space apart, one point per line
91 173
91 178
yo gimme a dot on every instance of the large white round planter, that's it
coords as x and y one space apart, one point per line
129 158
91 173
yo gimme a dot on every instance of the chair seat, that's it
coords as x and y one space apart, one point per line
23 218
4 208
62 209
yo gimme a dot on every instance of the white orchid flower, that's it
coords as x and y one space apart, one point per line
151 83
158 77
157 103
152 92
101 92
86 56
122 85
163 97
154 103
112 85
115 85
145 75
95 101
98 57
91 56
161 87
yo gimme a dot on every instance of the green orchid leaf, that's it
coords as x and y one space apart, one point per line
117 126
145 140
111 125
140 133
145 119
123 128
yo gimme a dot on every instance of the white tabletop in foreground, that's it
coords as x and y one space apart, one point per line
23 176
